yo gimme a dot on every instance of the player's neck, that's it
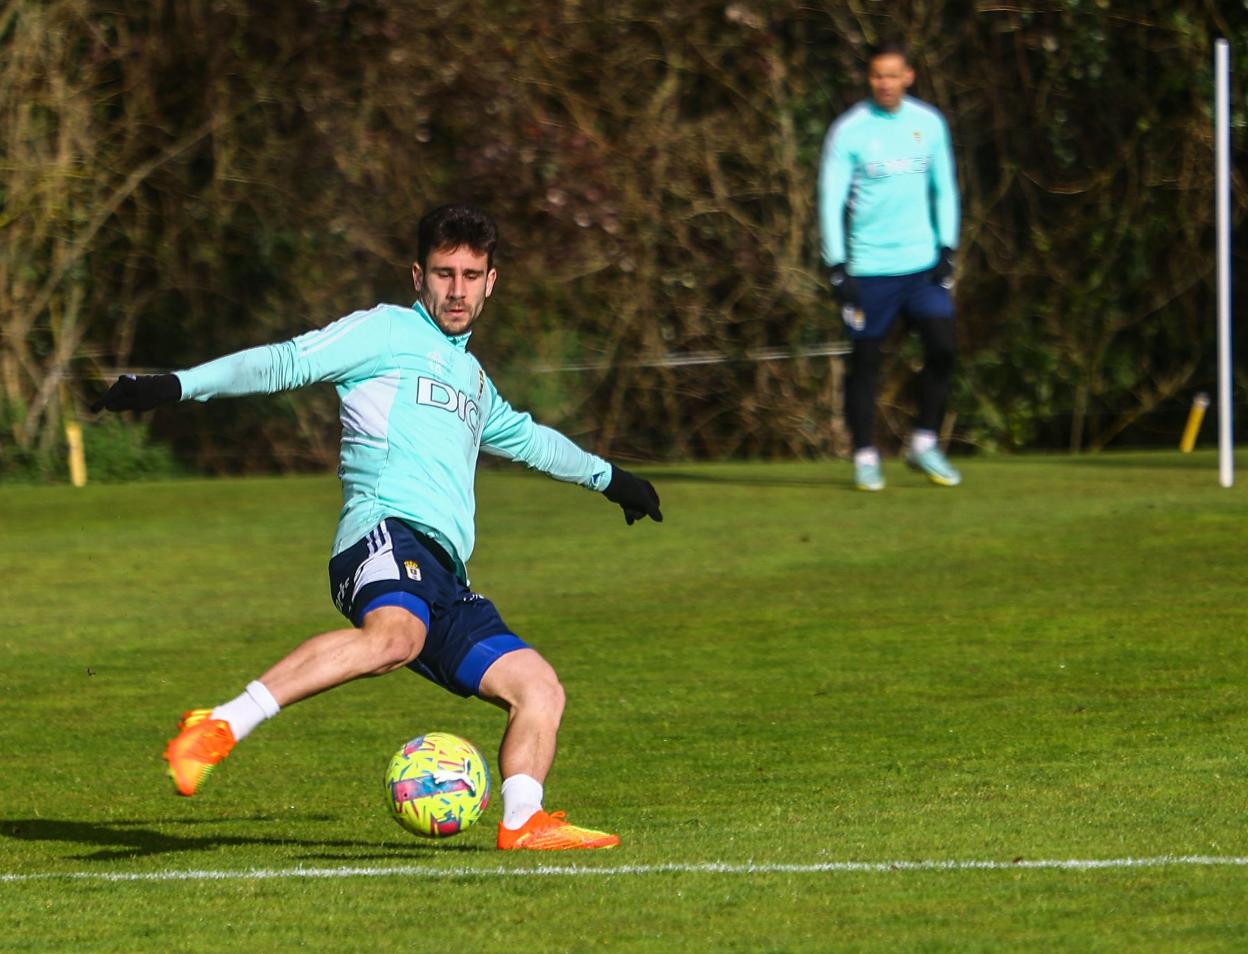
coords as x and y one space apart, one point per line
881 110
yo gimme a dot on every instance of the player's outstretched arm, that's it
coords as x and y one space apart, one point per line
348 349
139 392
635 495
514 435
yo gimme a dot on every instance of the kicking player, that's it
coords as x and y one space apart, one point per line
887 163
416 408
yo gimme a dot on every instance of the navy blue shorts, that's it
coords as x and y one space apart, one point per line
883 297
394 565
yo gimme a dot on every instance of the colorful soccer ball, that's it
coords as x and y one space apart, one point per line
437 785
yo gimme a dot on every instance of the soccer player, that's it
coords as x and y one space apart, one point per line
887 167
416 408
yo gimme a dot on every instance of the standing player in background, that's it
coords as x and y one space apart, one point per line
887 168
416 409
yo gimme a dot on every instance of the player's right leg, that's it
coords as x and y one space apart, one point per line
389 638
880 304
380 588
860 382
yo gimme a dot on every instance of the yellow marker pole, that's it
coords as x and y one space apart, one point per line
77 459
1194 417
73 441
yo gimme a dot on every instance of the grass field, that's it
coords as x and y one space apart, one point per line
781 698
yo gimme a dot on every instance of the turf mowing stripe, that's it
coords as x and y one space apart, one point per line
710 867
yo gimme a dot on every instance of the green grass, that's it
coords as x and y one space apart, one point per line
1046 663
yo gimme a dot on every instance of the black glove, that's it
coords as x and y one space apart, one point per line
635 495
139 392
844 286
942 272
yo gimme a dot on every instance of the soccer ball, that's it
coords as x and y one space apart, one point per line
437 785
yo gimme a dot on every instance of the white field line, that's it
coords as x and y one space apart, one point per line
710 867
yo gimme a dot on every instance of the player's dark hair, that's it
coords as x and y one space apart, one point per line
888 48
452 226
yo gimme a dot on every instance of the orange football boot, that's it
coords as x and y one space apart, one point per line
551 832
200 744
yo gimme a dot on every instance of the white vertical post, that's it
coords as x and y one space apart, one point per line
1222 148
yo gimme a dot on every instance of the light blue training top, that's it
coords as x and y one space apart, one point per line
416 408
895 172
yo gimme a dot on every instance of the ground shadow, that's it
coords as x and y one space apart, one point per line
130 838
1130 462
835 480
832 481
424 849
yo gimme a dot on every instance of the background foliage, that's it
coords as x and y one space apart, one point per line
182 178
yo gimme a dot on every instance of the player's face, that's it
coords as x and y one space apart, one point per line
890 76
453 286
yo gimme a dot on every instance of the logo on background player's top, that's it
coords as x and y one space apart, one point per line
918 135
913 165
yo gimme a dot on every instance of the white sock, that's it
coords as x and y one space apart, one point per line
247 711
522 798
866 456
921 441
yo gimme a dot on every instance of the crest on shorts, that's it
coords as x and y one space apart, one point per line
413 569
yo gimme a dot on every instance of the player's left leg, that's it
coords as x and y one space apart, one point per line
472 652
931 310
526 687
939 345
